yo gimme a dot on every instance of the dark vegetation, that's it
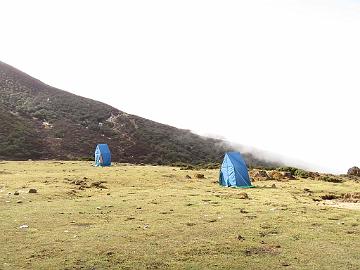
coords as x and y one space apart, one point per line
295 172
42 122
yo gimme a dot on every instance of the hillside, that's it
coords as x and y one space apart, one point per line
41 122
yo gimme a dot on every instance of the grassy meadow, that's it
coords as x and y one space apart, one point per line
154 217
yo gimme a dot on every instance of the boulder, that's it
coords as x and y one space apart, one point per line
32 190
354 171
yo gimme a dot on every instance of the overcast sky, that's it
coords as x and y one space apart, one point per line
282 76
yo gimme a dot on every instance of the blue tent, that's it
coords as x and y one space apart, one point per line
234 172
102 155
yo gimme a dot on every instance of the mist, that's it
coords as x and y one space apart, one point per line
279 76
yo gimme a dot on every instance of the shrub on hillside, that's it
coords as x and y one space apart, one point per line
295 172
330 178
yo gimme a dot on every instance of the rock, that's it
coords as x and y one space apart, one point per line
98 184
288 175
278 176
241 238
260 175
188 176
329 197
19 201
199 176
16 193
243 195
32 190
273 186
354 171
25 226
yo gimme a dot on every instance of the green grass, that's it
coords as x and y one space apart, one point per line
155 218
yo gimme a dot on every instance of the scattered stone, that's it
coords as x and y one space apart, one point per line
243 195
273 186
108 194
199 176
241 238
146 226
25 226
32 190
19 201
99 184
79 182
16 193
188 176
98 208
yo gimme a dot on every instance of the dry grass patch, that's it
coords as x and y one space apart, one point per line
152 217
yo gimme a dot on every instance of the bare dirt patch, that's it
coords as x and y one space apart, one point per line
343 205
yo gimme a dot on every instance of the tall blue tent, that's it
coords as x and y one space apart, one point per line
102 155
234 172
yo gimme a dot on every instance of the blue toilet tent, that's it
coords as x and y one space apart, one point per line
234 172
102 155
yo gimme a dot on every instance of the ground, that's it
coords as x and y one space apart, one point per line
148 217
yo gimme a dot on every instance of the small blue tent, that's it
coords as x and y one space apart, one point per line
234 172
102 155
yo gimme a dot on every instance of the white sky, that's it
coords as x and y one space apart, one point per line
282 76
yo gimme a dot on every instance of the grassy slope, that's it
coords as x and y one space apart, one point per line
154 218
77 124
